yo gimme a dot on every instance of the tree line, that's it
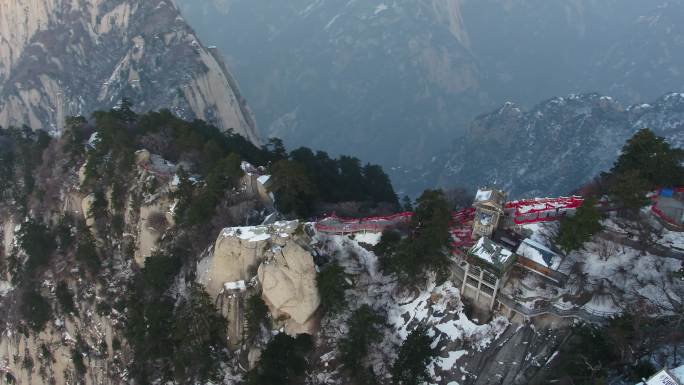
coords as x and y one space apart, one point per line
646 162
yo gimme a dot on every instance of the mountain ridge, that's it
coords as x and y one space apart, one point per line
558 144
65 57
401 78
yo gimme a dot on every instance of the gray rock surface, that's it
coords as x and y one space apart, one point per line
61 58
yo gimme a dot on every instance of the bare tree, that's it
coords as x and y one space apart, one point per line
646 233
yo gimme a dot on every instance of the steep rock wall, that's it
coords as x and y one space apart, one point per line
61 58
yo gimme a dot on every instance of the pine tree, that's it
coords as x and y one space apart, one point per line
629 190
425 249
386 249
86 250
35 310
332 284
364 330
293 188
38 243
183 195
199 337
283 362
378 185
407 204
256 315
65 297
276 148
124 111
576 230
653 158
416 353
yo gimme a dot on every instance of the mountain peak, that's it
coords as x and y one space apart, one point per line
64 58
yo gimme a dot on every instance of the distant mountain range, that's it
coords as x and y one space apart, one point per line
548 150
61 58
395 81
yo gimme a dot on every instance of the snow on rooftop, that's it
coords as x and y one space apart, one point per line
539 253
263 179
490 252
483 195
667 377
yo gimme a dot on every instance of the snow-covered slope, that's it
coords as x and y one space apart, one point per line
611 274
468 349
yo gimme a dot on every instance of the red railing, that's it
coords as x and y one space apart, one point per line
523 212
464 216
335 224
394 217
542 209
462 237
352 228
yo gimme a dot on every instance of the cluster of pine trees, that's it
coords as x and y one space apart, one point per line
302 179
647 162
179 339
426 248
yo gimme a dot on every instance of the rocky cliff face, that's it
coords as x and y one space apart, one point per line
61 58
554 147
265 261
400 78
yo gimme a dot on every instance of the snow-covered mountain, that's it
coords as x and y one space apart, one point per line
552 148
401 78
71 57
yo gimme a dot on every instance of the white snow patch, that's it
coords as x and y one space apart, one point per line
94 140
368 238
483 195
5 287
261 233
251 234
499 254
331 22
237 285
263 179
449 362
533 251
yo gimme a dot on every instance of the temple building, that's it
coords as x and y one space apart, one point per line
487 266
539 259
489 210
